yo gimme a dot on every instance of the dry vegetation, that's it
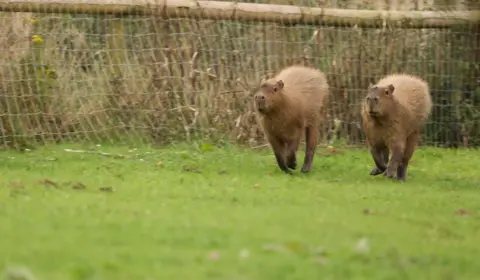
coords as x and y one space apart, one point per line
72 77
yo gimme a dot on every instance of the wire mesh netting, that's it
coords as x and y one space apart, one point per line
84 77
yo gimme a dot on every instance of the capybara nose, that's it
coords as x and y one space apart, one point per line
259 97
260 103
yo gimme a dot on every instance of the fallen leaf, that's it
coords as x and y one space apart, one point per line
106 189
79 186
317 250
295 246
48 183
256 186
214 255
18 273
334 180
159 163
274 247
243 254
16 184
362 246
462 212
192 169
320 260
368 211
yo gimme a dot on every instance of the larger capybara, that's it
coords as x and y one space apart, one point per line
287 106
394 113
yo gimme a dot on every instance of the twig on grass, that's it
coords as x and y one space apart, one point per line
96 152
260 146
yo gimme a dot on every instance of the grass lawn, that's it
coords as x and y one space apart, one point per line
188 213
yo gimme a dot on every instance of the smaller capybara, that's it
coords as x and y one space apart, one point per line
287 106
394 113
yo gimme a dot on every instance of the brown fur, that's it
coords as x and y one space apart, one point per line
287 106
394 113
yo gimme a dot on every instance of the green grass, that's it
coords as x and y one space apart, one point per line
231 214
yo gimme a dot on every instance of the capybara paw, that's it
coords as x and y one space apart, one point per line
286 170
376 171
391 174
401 178
306 169
292 165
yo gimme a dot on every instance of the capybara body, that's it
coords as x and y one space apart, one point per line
288 106
394 113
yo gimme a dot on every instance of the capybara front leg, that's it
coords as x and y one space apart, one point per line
291 154
396 160
279 152
282 163
380 157
311 139
410 145
386 154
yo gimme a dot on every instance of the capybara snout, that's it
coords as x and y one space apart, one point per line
371 103
261 102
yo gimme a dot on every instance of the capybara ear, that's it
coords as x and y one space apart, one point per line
389 89
280 85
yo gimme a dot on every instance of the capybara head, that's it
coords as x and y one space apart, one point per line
379 100
266 95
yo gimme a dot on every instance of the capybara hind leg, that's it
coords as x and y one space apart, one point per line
412 141
311 139
292 154
378 155
398 150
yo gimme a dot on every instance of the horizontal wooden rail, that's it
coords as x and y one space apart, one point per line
221 10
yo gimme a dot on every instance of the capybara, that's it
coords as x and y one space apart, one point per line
287 106
394 114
